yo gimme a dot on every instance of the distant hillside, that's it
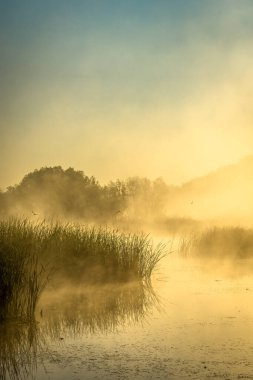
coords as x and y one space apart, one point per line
225 194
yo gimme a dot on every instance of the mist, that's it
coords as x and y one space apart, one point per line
222 197
156 99
126 213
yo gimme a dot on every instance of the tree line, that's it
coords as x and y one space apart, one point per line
53 192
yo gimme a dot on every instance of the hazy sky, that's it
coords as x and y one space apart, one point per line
125 87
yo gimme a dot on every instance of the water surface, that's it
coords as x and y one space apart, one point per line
196 323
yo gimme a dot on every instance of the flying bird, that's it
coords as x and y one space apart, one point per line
34 213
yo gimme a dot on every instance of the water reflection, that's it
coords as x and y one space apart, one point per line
229 268
95 309
70 312
19 346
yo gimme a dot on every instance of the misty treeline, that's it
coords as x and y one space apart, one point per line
220 197
53 192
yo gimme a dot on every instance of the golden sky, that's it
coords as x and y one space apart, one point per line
117 89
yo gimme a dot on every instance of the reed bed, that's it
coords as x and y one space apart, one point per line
21 275
30 252
227 242
100 254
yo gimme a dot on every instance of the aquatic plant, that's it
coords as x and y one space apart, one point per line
21 275
227 242
101 254
29 252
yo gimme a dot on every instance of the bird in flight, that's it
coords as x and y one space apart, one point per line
34 213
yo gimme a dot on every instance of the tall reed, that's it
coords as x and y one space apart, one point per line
29 252
227 242
21 275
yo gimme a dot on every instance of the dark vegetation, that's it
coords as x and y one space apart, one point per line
57 193
22 276
30 252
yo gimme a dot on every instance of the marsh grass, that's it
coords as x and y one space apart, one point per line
21 275
227 243
30 252
97 254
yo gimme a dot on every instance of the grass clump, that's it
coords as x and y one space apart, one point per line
103 255
21 275
72 252
227 242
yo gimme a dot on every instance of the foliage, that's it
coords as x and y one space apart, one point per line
21 275
228 242
30 252
57 193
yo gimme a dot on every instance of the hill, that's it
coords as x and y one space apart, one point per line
224 195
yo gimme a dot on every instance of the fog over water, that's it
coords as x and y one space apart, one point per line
126 212
198 326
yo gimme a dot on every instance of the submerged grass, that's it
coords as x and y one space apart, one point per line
29 252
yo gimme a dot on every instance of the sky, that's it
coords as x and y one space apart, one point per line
122 88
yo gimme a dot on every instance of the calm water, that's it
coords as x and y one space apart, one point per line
197 324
